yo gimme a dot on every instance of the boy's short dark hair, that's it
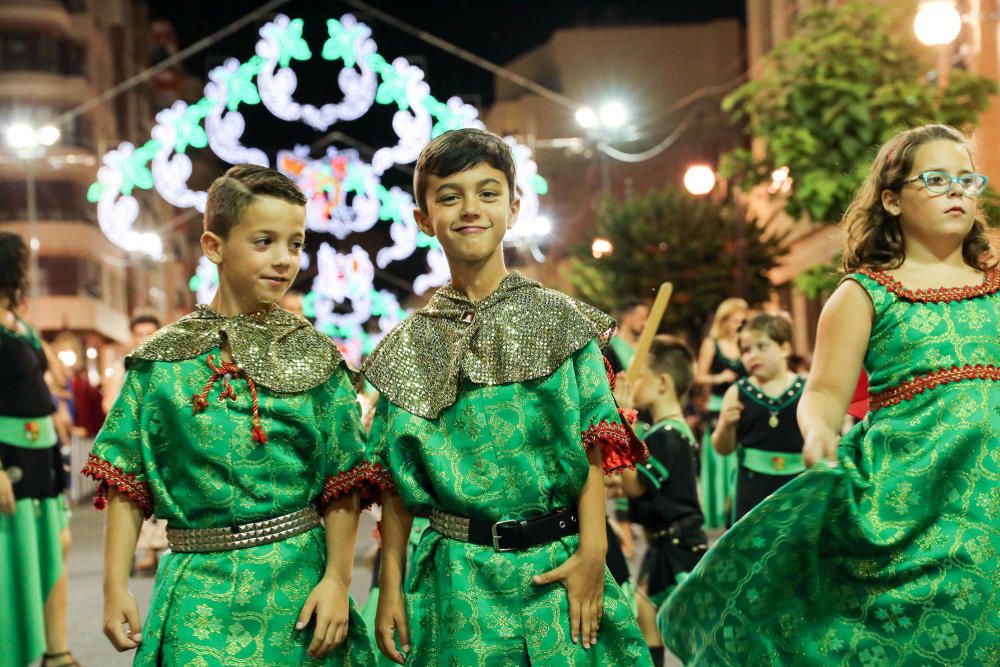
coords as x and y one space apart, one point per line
231 194
626 306
144 318
671 356
458 150
775 326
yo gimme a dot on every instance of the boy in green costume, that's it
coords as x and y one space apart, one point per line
235 424
496 420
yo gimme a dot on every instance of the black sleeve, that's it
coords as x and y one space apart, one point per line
613 360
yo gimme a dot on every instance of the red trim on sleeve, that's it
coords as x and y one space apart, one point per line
620 448
610 371
108 475
370 479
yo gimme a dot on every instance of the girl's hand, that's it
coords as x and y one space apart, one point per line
583 577
331 607
820 443
7 499
121 610
390 619
730 414
623 391
727 376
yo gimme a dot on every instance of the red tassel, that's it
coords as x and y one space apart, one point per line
198 403
100 498
259 435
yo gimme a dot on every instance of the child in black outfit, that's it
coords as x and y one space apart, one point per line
663 490
757 420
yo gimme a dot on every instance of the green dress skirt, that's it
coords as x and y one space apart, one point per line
205 470
889 558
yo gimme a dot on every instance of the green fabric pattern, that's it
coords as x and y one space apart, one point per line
502 452
205 470
31 563
890 558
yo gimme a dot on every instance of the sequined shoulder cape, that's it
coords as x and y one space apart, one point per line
278 349
522 331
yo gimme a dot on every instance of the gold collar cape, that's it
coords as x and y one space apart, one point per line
522 331
276 348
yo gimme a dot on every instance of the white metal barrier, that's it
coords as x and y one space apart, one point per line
80 488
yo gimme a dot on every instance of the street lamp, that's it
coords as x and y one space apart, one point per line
28 143
937 22
613 114
699 179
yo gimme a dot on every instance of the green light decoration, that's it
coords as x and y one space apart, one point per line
95 192
425 241
392 90
390 203
539 185
357 174
446 118
240 87
135 173
291 45
188 129
341 44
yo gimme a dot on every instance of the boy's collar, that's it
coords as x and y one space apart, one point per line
276 348
447 299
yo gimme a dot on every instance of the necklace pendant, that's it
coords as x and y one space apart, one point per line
773 421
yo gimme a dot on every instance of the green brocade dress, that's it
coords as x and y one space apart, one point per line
206 470
891 557
497 452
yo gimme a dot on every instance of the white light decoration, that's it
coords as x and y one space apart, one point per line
345 194
587 118
613 114
20 135
937 22
91 352
68 357
48 135
699 179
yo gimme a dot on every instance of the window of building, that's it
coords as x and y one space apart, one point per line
39 52
69 276
55 200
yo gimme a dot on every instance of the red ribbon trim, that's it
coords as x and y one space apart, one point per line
990 285
110 476
619 447
370 479
909 389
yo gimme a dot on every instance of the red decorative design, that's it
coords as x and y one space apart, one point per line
907 390
108 475
619 446
630 416
990 285
199 402
610 371
370 479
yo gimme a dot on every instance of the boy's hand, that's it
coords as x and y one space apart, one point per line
120 610
329 602
7 500
390 619
731 413
623 391
727 376
583 577
820 443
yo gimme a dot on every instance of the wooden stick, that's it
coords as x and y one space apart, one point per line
649 331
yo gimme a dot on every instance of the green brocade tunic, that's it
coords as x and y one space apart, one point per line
891 557
205 470
497 451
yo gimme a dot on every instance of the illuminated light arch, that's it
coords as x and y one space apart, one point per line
345 194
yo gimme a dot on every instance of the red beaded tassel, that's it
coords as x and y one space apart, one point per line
200 401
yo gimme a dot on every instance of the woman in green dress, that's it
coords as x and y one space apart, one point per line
886 552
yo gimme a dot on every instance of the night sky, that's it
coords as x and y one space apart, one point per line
496 31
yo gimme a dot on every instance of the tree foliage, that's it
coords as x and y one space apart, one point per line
670 235
826 98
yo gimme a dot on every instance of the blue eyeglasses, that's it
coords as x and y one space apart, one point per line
940 182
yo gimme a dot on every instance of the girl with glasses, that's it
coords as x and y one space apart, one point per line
884 551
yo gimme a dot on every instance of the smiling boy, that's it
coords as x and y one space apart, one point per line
496 420
239 425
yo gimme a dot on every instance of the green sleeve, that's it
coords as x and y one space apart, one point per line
116 457
338 416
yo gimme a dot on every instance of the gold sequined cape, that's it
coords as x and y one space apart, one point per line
520 332
278 349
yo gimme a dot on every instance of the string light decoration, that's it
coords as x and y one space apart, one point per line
345 194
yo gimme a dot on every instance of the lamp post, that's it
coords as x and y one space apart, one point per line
29 144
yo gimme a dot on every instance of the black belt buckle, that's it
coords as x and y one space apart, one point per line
496 536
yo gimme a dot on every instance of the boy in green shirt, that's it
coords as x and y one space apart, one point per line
496 420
